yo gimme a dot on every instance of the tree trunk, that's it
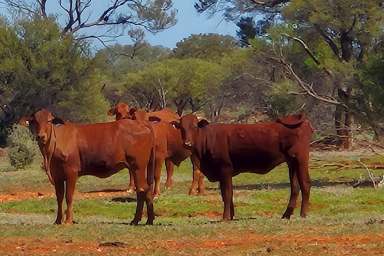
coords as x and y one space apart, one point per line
347 139
379 132
343 120
180 105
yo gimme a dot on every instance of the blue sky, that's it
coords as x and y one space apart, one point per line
189 22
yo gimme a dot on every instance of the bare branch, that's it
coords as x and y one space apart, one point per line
309 52
369 173
329 41
21 6
42 4
303 85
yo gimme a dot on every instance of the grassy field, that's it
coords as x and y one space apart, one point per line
342 220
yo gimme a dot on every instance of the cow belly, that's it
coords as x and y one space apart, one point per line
101 170
261 162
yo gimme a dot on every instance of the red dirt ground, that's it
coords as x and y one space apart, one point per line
24 195
297 244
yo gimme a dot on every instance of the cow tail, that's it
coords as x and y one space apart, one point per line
151 166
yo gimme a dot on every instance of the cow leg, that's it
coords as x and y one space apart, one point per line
295 189
69 191
170 167
194 185
139 207
227 196
158 165
149 202
141 189
59 189
131 186
305 184
201 185
195 176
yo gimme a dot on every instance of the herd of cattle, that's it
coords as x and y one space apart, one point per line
142 141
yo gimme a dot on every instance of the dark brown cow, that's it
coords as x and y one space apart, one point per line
169 145
73 150
225 150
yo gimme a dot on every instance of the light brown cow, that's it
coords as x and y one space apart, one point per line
169 145
73 150
226 150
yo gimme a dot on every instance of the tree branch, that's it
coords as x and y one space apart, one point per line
329 41
308 89
309 52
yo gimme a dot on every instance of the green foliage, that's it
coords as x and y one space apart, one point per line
205 46
22 147
38 64
247 30
281 100
85 103
173 79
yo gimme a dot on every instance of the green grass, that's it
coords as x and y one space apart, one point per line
190 225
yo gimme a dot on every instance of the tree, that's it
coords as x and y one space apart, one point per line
370 99
180 82
39 67
336 37
235 8
247 30
79 18
349 29
205 46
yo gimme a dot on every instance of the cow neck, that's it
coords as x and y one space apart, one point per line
201 142
48 151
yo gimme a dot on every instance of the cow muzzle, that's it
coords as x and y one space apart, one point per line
188 144
42 138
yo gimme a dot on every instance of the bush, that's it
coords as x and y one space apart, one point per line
281 102
22 147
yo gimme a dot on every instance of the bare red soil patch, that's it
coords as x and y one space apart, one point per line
25 246
25 195
290 244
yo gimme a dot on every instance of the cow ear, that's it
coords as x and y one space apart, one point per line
175 124
154 119
25 121
112 111
202 123
132 111
57 120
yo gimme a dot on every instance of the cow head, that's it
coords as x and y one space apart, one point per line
40 124
120 111
189 126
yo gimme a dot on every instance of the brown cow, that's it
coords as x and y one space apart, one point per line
169 145
225 150
73 150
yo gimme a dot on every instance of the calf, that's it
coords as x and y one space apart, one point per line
169 145
225 150
73 150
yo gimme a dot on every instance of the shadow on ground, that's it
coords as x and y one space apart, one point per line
314 183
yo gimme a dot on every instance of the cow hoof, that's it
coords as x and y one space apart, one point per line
69 222
286 216
57 222
202 193
192 192
134 222
168 185
131 190
149 222
156 196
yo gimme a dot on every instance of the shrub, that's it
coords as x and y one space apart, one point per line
22 147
